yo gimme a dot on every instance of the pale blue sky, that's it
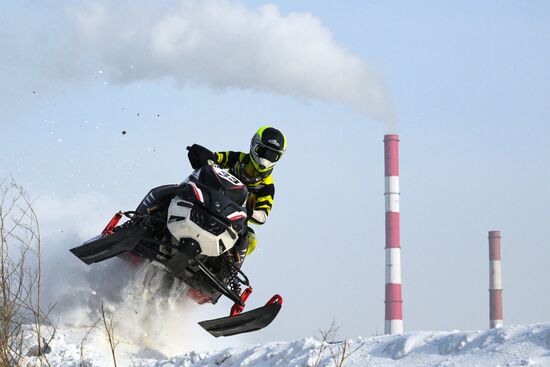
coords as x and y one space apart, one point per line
470 86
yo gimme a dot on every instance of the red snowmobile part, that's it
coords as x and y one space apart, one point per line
132 258
237 308
198 296
112 224
275 299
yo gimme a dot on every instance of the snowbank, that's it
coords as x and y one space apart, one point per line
527 345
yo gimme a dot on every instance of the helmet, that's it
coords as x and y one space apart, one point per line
266 148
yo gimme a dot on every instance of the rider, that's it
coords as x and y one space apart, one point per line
254 169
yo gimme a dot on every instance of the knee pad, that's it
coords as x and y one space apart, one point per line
252 242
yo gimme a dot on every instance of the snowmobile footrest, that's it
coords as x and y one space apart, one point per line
111 245
243 323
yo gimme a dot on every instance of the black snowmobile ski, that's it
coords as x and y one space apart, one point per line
105 247
245 322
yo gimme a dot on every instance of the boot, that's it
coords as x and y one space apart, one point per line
239 254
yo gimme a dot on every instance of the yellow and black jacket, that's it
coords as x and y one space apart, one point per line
261 192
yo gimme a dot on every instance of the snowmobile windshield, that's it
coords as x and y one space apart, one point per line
220 180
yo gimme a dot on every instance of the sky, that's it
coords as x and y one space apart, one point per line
465 85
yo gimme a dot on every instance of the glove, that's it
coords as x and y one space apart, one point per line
199 156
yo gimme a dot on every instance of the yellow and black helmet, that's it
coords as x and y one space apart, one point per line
266 148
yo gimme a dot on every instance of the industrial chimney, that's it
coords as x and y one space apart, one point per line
495 281
393 300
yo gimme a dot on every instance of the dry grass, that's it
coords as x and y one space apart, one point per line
83 342
339 351
109 330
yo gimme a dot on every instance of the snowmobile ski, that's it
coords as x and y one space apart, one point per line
244 322
105 247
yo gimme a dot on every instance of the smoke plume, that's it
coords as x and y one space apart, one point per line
223 44
220 44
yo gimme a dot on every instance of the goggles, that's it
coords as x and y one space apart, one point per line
268 153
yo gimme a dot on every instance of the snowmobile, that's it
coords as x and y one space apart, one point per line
191 231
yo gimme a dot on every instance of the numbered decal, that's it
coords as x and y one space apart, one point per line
228 177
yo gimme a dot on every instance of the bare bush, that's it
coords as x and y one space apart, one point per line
110 331
339 351
84 340
20 277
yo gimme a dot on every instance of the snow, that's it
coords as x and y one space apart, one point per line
155 325
525 345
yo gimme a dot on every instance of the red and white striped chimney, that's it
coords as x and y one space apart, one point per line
393 300
495 281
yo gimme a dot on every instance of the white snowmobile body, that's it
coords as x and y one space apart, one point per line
183 216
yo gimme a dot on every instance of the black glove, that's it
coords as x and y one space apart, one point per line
199 156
